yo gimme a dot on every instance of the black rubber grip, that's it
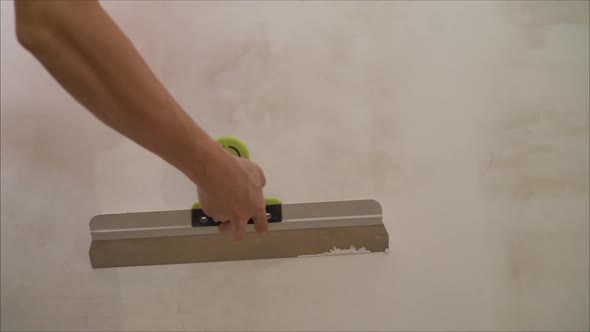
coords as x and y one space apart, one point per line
200 219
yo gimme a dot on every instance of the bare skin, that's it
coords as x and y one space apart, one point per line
93 60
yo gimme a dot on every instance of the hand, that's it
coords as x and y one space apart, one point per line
232 193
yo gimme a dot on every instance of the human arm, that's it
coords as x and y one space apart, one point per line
85 51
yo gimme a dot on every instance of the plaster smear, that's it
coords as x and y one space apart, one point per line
337 251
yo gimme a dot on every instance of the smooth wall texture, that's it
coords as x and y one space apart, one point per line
468 121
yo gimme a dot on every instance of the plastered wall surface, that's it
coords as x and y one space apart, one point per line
468 121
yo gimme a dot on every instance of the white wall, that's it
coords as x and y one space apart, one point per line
467 121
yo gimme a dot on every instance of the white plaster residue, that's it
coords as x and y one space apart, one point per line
337 251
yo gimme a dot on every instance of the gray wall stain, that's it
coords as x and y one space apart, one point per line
531 17
535 165
536 155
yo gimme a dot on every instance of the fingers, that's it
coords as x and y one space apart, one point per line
238 227
260 221
224 227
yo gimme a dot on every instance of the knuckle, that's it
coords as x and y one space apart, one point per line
262 177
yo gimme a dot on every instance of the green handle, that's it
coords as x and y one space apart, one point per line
234 146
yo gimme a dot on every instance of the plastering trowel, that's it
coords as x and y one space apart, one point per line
190 236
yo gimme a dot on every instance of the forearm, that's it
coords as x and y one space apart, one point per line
93 60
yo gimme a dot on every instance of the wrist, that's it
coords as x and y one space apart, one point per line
207 156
